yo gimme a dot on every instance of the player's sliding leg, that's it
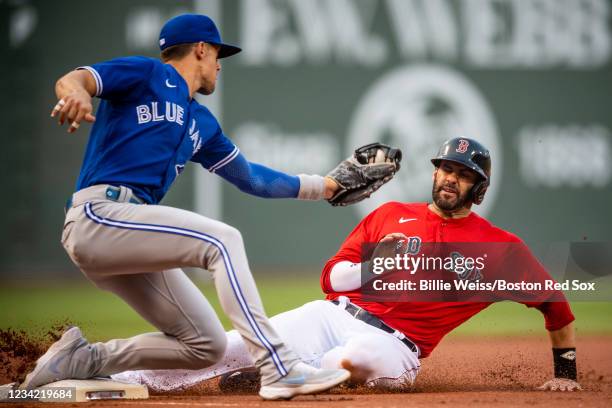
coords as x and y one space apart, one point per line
322 334
190 336
374 359
236 358
310 330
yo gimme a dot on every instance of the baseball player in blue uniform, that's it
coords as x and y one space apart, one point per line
146 129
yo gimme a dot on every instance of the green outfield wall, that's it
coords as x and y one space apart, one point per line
532 80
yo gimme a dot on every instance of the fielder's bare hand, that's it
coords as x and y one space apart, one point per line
74 92
331 187
560 384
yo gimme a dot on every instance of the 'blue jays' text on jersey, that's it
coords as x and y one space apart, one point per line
147 128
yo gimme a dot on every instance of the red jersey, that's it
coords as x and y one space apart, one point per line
426 323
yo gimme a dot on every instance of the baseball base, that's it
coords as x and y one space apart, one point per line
100 389
79 391
4 391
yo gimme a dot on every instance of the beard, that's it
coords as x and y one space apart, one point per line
456 202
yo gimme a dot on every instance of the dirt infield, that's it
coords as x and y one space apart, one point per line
483 372
19 351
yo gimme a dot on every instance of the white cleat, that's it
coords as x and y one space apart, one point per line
303 380
55 364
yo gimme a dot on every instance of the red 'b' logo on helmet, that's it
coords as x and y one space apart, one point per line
463 146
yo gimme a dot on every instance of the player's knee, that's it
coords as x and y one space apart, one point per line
230 235
206 351
357 360
231 244
218 346
360 357
212 353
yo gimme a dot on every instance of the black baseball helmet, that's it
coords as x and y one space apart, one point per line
471 154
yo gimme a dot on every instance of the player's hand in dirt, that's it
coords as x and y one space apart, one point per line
560 384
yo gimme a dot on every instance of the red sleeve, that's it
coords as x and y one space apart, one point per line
556 314
552 303
350 250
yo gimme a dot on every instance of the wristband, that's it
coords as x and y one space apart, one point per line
565 362
312 187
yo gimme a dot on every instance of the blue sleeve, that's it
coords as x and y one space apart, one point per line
121 78
258 180
216 151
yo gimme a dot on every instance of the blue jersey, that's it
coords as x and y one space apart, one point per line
147 128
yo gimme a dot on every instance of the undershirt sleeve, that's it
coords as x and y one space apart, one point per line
345 276
259 180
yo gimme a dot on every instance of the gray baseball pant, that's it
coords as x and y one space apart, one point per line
135 251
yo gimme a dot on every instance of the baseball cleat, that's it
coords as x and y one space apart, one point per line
55 365
244 381
303 380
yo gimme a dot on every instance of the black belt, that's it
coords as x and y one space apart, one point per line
365 316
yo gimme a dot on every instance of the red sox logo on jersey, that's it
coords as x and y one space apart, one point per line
470 274
463 146
411 246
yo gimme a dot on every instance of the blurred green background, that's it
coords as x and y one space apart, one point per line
316 79
103 316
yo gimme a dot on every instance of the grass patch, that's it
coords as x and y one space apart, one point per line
103 315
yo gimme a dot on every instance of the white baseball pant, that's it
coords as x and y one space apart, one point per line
322 334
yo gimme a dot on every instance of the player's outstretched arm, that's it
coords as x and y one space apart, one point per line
74 92
353 180
261 181
564 355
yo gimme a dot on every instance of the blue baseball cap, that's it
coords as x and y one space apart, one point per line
193 28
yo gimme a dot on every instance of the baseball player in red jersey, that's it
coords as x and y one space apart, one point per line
381 342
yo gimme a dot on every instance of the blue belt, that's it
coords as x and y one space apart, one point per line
112 193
